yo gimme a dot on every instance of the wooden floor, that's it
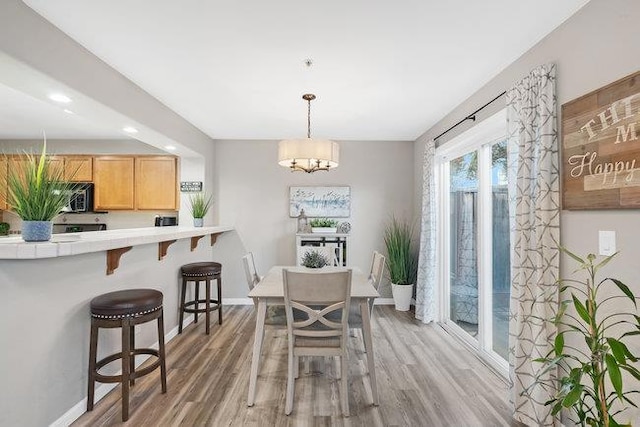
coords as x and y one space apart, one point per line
425 378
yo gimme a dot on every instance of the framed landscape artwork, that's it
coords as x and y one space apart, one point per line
330 202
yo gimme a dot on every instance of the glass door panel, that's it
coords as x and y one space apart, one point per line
500 287
475 245
463 238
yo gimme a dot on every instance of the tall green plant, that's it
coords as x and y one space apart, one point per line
402 262
36 190
591 377
199 204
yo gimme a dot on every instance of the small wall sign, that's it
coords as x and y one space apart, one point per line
601 147
190 186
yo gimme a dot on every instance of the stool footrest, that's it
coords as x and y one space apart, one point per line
215 304
133 375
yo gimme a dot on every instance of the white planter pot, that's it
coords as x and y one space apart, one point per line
198 222
324 229
402 296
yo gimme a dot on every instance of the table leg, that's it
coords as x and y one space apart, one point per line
368 345
257 349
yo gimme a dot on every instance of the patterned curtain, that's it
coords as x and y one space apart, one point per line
426 281
535 227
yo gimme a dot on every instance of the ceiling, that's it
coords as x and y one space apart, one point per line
382 70
25 117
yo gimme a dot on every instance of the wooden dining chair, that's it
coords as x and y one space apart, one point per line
317 295
375 278
250 271
275 314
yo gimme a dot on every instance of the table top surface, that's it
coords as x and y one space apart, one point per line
272 284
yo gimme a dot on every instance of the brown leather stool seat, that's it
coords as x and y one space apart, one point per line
197 272
125 309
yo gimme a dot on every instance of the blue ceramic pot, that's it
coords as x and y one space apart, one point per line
36 231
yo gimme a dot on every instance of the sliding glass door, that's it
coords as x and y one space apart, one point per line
474 227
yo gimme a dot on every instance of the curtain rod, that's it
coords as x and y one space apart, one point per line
471 116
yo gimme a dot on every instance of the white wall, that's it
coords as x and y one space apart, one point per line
596 46
253 195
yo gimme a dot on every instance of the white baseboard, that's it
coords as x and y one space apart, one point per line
249 301
237 301
383 301
103 389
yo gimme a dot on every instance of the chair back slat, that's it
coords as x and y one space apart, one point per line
250 270
377 269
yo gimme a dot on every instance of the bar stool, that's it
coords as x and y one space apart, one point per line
125 309
197 272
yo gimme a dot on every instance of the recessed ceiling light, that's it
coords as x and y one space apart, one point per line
59 97
66 110
130 129
170 147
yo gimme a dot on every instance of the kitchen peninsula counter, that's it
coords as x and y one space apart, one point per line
45 317
97 241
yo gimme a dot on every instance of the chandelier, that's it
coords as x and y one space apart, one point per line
308 154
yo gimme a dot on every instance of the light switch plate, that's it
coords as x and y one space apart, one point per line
607 242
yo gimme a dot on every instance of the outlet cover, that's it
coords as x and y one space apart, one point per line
607 242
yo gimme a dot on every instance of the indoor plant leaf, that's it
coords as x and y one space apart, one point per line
624 288
614 373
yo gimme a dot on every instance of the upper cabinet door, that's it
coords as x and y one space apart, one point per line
156 184
56 166
113 179
78 168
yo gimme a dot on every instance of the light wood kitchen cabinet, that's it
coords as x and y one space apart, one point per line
56 166
156 184
78 168
113 177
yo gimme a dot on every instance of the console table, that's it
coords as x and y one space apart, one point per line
338 241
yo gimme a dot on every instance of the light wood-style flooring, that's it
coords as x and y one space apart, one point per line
425 378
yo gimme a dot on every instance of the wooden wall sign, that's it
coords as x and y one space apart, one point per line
601 147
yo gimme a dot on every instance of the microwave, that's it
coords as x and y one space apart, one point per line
80 198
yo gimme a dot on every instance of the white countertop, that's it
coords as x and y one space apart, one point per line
97 241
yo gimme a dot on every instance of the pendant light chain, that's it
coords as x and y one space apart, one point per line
309 118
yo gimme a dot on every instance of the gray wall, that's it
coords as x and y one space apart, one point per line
44 322
254 195
596 46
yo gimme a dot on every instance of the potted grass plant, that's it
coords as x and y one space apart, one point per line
402 261
37 192
199 204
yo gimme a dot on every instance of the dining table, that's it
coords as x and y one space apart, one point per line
270 291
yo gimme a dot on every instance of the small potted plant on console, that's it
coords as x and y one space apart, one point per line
323 225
